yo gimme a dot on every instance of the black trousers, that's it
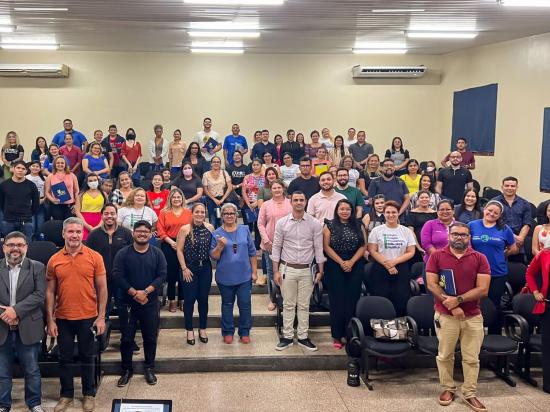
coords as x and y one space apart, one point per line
344 290
67 330
148 318
545 318
60 212
197 291
393 287
496 290
174 276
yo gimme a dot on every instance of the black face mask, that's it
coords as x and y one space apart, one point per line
131 137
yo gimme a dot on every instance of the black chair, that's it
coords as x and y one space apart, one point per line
541 213
53 231
477 186
418 269
498 346
362 343
514 284
528 247
524 329
41 250
145 184
490 193
421 311
367 272
483 201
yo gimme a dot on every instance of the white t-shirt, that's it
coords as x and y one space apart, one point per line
202 137
392 242
327 142
39 183
353 176
348 143
288 174
127 216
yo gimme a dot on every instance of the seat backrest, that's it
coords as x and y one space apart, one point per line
516 275
490 193
523 305
373 307
541 212
417 269
53 231
421 309
367 274
477 186
41 250
488 311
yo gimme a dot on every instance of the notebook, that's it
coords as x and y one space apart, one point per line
60 191
210 144
447 281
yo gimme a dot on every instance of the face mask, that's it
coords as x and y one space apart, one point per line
93 185
188 172
430 169
131 137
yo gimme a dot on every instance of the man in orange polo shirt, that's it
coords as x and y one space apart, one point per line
75 300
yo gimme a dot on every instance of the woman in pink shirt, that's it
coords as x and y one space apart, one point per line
435 233
270 212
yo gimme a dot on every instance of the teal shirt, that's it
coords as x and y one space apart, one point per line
353 195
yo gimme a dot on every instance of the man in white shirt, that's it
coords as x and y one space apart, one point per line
321 205
202 137
351 138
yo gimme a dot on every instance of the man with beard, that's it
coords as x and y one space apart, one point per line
459 316
322 205
391 187
234 142
22 326
79 139
292 147
352 193
305 182
76 298
453 180
139 271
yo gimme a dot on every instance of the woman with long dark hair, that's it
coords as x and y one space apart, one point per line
92 200
399 155
40 152
427 184
468 209
189 183
337 152
156 194
344 245
541 234
412 177
417 218
194 156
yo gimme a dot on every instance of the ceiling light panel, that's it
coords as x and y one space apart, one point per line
525 3
39 9
237 2
441 35
217 51
227 34
379 51
398 10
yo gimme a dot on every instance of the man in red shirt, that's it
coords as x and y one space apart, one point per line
72 153
459 316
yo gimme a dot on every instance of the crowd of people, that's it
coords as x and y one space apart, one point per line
312 212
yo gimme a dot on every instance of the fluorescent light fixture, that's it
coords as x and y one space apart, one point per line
398 10
40 9
224 25
379 45
525 3
218 51
379 51
229 34
441 35
218 44
7 29
237 2
28 46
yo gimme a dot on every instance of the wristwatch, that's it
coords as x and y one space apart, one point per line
459 299
146 292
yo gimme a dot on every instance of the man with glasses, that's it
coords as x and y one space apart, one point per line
465 275
22 322
306 182
390 186
453 180
139 270
76 299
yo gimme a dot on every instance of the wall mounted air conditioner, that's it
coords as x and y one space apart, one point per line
388 72
34 70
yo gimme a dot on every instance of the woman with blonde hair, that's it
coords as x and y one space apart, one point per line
61 190
11 151
172 218
135 208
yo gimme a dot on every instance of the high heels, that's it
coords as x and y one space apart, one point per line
203 339
190 341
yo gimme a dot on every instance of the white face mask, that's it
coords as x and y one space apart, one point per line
93 185
430 169
188 172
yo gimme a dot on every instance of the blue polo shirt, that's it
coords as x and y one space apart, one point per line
232 143
78 138
492 242
517 215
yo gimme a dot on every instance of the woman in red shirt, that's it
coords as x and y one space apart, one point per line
171 219
157 195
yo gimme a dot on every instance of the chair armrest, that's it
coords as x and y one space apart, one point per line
357 330
415 287
413 336
512 323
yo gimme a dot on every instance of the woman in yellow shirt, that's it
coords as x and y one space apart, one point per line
321 163
91 202
412 177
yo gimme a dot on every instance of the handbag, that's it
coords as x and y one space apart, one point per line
390 329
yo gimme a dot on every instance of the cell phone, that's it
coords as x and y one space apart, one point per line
93 329
437 324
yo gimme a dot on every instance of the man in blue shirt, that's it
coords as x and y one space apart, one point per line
232 143
263 146
516 214
79 140
391 187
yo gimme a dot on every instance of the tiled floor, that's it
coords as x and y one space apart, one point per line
319 391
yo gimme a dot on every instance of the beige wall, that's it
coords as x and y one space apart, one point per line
522 70
276 92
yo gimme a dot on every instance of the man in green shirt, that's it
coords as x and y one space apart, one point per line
352 193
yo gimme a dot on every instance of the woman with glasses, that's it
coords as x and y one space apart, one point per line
289 170
417 218
399 155
233 248
136 208
435 233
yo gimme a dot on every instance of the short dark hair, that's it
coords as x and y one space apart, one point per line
305 159
314 132
113 126
141 223
326 172
463 139
290 131
342 169
106 205
391 203
206 118
386 160
15 234
19 162
459 224
297 192
510 179
67 120
265 131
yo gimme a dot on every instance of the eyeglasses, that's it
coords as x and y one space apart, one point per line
15 245
229 214
460 235
305 165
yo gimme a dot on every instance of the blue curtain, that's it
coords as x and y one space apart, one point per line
474 118
545 154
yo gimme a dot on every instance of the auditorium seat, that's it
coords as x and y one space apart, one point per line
53 231
41 250
490 193
421 311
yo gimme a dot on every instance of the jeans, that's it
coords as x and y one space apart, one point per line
269 270
148 317
25 227
175 170
67 330
174 272
28 359
212 209
243 293
197 291
38 220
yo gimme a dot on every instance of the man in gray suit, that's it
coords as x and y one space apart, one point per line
22 294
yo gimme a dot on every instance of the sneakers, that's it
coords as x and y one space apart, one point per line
63 404
88 403
4 409
307 344
284 343
37 408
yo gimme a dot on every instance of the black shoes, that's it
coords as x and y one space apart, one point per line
284 343
124 379
136 348
307 344
203 339
150 377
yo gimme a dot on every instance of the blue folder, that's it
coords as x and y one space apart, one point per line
60 191
447 281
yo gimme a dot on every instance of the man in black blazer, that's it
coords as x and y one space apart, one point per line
22 294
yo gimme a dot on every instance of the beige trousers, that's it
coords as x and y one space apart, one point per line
470 333
296 290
